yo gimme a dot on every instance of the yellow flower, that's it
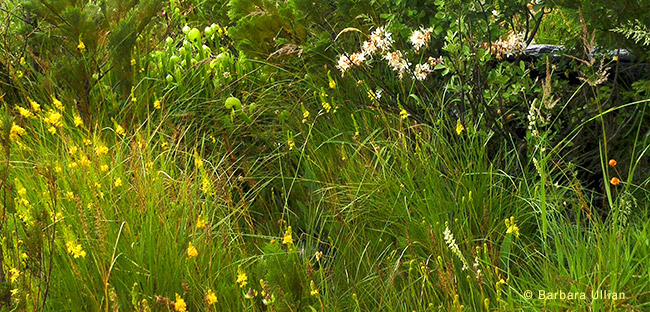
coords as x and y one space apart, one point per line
314 290
24 112
51 130
100 150
19 74
78 121
156 104
210 297
305 114
404 114
459 127
57 103
191 251
326 106
75 250
81 46
200 222
54 118
73 149
15 273
332 84
287 239
132 62
103 168
291 144
118 183
180 304
512 227
242 279
16 131
119 130
35 106
22 191
84 161
22 61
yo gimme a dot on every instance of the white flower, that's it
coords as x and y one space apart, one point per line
344 63
397 62
369 47
420 38
357 58
421 71
382 38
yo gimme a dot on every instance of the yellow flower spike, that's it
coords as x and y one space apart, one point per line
404 114
14 274
16 131
35 106
24 112
192 251
287 239
210 297
75 250
313 290
200 222
103 168
119 130
156 104
101 150
81 46
459 127
242 278
179 304
512 227
118 183
132 62
78 121
57 103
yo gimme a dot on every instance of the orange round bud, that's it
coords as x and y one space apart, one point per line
614 181
612 162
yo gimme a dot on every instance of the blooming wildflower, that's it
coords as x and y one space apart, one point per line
179 304
118 182
369 47
84 161
132 62
51 130
356 59
344 64
57 103
313 290
397 62
615 181
78 121
200 222
24 112
156 104
459 127
14 274
612 162
19 74
326 106
287 239
191 251
22 191
319 255
404 114
119 130
242 278
382 38
291 144
332 84
305 114
422 71
103 168
75 250
420 38
101 149
54 118
73 149
512 227
81 46
16 131
433 61
35 106
451 243
210 297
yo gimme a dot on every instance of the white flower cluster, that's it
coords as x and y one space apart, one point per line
512 46
420 38
381 42
451 243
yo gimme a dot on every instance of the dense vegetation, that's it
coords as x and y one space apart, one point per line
381 155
